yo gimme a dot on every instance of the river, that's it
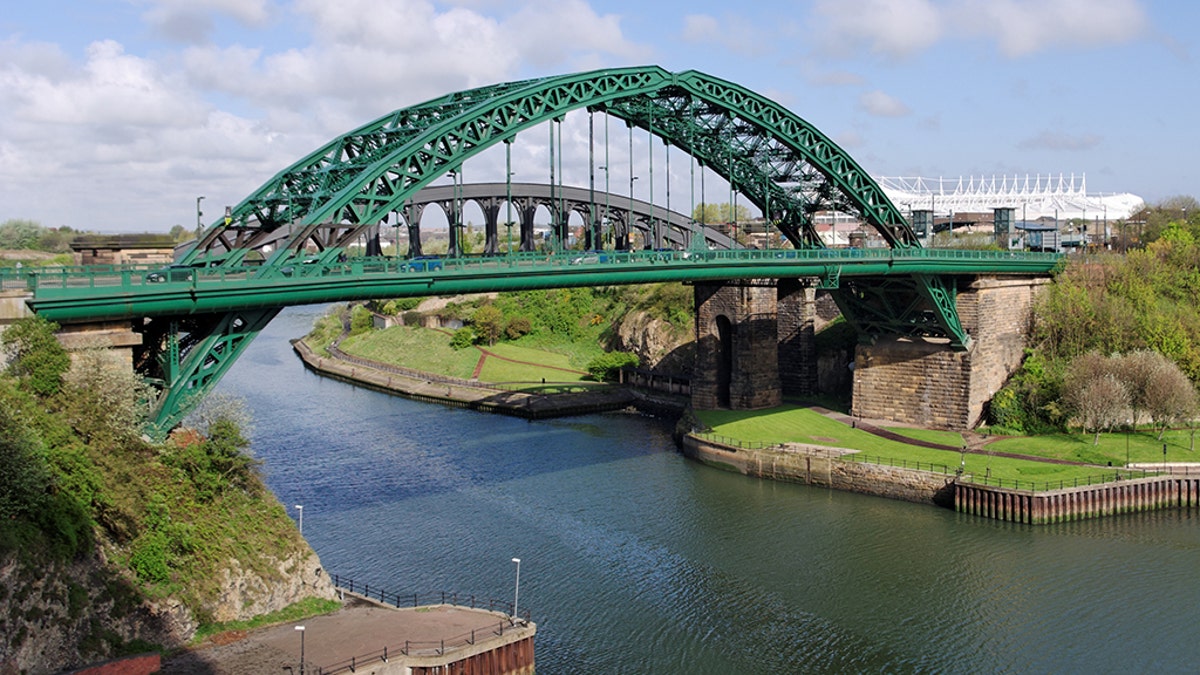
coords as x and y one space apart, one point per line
637 560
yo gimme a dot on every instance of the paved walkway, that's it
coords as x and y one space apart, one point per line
357 629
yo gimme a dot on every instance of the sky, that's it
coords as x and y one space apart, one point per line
115 115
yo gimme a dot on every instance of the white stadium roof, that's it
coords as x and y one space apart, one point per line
1033 196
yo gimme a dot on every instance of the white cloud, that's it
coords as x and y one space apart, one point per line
1021 27
191 21
135 138
902 28
882 105
896 28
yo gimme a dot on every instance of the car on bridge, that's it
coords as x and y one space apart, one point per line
171 273
423 263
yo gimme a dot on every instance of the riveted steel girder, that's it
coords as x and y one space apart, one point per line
918 305
359 178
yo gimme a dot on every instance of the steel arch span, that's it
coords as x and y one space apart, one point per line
780 162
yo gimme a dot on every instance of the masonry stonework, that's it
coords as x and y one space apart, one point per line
797 345
737 356
925 382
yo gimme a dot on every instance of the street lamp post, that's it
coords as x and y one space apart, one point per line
199 214
300 508
301 629
517 587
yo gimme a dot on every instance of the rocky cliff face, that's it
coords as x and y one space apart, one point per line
658 344
56 616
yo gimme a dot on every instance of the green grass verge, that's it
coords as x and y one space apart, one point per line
797 424
1143 447
417 348
294 612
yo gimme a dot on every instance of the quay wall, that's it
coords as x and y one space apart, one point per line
1077 503
829 467
824 467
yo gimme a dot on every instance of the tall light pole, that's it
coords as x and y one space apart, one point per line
517 587
301 629
199 214
300 508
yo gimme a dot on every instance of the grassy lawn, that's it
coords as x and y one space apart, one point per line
430 351
801 425
416 348
1143 445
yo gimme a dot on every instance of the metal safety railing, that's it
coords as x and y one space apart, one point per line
134 276
424 647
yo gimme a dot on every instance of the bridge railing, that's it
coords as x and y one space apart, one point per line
135 276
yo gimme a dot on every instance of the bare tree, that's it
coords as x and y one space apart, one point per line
1138 371
1095 394
1171 398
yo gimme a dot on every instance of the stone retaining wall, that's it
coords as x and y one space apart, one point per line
824 467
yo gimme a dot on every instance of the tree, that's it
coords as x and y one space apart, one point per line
607 366
488 322
20 234
1170 396
1095 395
719 213
34 354
103 398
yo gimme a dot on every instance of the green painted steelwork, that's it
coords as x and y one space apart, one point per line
68 294
197 317
357 180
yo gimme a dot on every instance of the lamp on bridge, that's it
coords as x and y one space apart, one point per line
199 214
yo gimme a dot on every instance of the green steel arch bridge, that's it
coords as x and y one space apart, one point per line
287 243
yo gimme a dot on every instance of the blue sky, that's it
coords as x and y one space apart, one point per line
116 114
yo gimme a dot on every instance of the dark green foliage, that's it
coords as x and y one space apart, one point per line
37 359
218 462
463 337
360 320
24 476
606 367
1028 403
488 323
517 327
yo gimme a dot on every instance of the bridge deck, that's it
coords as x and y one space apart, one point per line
111 293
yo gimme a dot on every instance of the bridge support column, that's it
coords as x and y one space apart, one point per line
797 342
737 364
925 382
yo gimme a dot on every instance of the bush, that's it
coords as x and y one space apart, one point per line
35 356
463 337
517 327
607 366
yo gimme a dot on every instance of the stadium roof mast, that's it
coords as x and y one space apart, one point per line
1057 196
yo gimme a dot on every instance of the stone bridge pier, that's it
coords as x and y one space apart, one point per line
756 343
924 382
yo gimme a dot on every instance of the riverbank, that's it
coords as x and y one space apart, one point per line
527 400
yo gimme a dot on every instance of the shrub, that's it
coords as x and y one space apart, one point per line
517 327
606 366
463 337
35 356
